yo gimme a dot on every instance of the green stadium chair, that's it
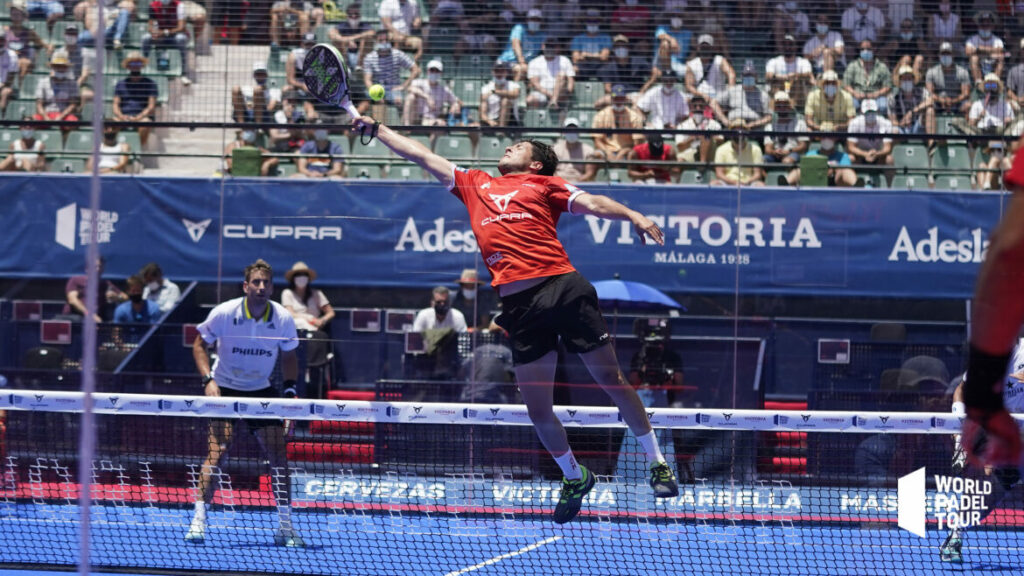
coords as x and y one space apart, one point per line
136 30
286 168
406 171
813 170
366 170
467 89
584 115
276 61
474 66
539 118
28 86
693 175
455 147
953 182
68 165
952 157
588 92
373 148
909 182
616 175
492 147
342 141
913 157
776 177
51 139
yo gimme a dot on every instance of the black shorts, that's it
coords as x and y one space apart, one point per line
562 306
253 424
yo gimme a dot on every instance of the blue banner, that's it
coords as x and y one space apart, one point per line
358 233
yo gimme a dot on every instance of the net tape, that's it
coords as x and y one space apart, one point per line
506 414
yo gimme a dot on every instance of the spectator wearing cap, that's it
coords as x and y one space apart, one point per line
785 150
829 103
949 83
991 114
664 105
352 36
867 149
709 72
401 18
622 115
992 161
693 148
944 26
290 140
320 157
474 301
577 160
524 43
654 150
24 40
825 49
840 171
288 23
623 70
79 67
384 66
790 72
9 79
552 77
867 78
984 50
709 19
910 105
747 101
673 42
592 49
57 96
87 12
790 20
738 160
499 96
167 29
430 101
293 67
862 21
135 96
906 48
255 102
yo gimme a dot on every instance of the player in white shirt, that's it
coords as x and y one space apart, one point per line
249 332
1007 476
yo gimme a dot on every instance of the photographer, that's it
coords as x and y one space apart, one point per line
656 370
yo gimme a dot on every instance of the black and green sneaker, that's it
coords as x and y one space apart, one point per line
572 495
951 550
663 481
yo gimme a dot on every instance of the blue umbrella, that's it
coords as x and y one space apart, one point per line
625 293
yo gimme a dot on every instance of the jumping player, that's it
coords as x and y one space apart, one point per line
249 332
543 297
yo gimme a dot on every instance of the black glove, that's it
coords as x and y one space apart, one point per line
289 390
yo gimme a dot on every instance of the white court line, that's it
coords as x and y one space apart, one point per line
497 559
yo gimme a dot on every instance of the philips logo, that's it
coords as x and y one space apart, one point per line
196 229
258 352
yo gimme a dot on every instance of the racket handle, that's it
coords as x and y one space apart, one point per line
351 109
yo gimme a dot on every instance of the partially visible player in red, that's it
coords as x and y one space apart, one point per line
991 437
543 297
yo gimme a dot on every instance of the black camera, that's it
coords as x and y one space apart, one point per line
652 329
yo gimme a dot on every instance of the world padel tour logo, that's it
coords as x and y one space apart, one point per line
72 221
958 503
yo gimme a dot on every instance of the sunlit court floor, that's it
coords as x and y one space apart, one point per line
134 540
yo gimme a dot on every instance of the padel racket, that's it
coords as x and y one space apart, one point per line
327 78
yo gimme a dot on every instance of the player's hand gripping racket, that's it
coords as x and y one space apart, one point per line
327 77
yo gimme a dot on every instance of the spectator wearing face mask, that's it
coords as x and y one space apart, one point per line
738 160
524 43
577 160
247 139
991 114
615 146
790 72
401 18
167 29
867 78
26 154
949 83
1015 80
114 156
655 150
23 39
384 66
430 100
623 70
747 102
57 96
861 21
137 310
552 78
709 72
158 288
906 49
944 26
694 148
867 149
135 96
592 49
633 19
474 301
910 106
785 150
985 50
320 157
353 36
673 42
309 307
830 104
790 20
825 50
992 164
840 172
664 104
498 97
255 102
439 314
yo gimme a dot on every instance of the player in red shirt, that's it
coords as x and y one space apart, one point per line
543 297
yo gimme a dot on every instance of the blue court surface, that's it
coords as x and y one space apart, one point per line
140 539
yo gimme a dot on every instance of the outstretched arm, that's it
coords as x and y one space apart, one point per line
605 207
411 150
